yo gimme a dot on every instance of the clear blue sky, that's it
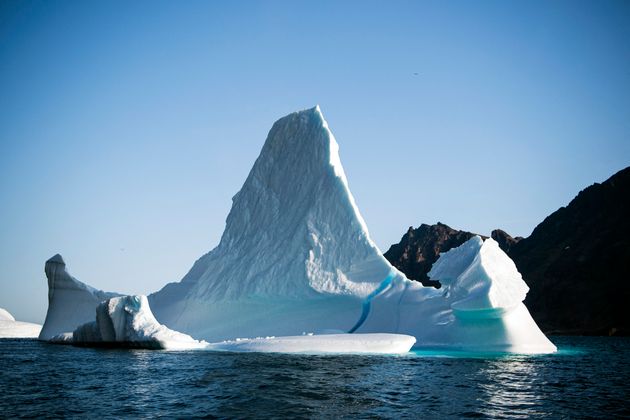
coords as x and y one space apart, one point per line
126 128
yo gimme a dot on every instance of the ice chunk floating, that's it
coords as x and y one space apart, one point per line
127 321
10 328
296 256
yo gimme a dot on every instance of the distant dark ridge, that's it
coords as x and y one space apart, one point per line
577 262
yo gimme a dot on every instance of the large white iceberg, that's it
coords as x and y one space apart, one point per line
296 256
10 328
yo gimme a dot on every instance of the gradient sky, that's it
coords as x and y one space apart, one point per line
126 128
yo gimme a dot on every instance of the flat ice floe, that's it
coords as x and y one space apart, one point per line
296 256
326 343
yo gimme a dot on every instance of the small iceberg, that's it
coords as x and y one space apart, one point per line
127 322
327 343
10 328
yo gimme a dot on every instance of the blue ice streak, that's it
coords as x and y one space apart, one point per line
367 303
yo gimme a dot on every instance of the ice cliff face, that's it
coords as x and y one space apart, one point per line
296 257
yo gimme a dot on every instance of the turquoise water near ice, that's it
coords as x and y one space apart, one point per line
588 378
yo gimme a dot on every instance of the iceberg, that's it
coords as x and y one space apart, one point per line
127 321
70 302
327 343
10 328
296 256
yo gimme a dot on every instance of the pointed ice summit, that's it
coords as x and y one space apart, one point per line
295 251
296 256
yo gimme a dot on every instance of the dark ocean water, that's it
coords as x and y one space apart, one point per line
589 377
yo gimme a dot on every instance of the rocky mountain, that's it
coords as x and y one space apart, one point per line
576 262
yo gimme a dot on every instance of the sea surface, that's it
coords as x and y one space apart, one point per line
588 378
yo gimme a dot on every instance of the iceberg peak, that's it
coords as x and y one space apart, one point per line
294 225
56 259
294 233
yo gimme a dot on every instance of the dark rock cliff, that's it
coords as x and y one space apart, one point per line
577 262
